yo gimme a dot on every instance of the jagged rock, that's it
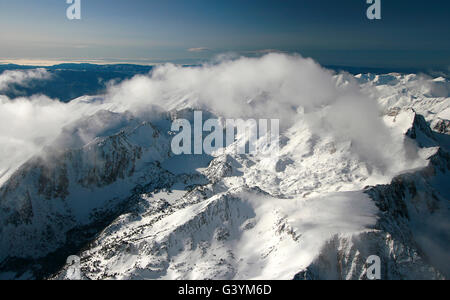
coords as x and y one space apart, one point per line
442 126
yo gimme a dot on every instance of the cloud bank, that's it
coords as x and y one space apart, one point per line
22 77
273 86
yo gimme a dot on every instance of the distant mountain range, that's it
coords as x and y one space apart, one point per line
71 80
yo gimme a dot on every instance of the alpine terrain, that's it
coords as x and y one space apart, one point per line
363 169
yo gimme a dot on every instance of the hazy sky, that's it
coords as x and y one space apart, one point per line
411 33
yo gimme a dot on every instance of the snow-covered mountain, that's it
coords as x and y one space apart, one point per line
110 190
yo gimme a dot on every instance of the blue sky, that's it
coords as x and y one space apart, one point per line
411 33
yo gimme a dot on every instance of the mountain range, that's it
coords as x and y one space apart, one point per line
108 189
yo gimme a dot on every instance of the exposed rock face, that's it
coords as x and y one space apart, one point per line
442 126
419 124
59 191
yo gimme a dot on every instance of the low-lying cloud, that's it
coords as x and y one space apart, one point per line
288 87
273 86
22 77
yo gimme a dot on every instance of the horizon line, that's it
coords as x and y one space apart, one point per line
152 63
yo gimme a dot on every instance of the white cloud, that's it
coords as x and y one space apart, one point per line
22 77
273 86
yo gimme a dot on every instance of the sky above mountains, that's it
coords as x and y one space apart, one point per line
410 34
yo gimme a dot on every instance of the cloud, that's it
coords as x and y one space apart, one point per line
276 85
199 49
287 87
27 124
22 77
